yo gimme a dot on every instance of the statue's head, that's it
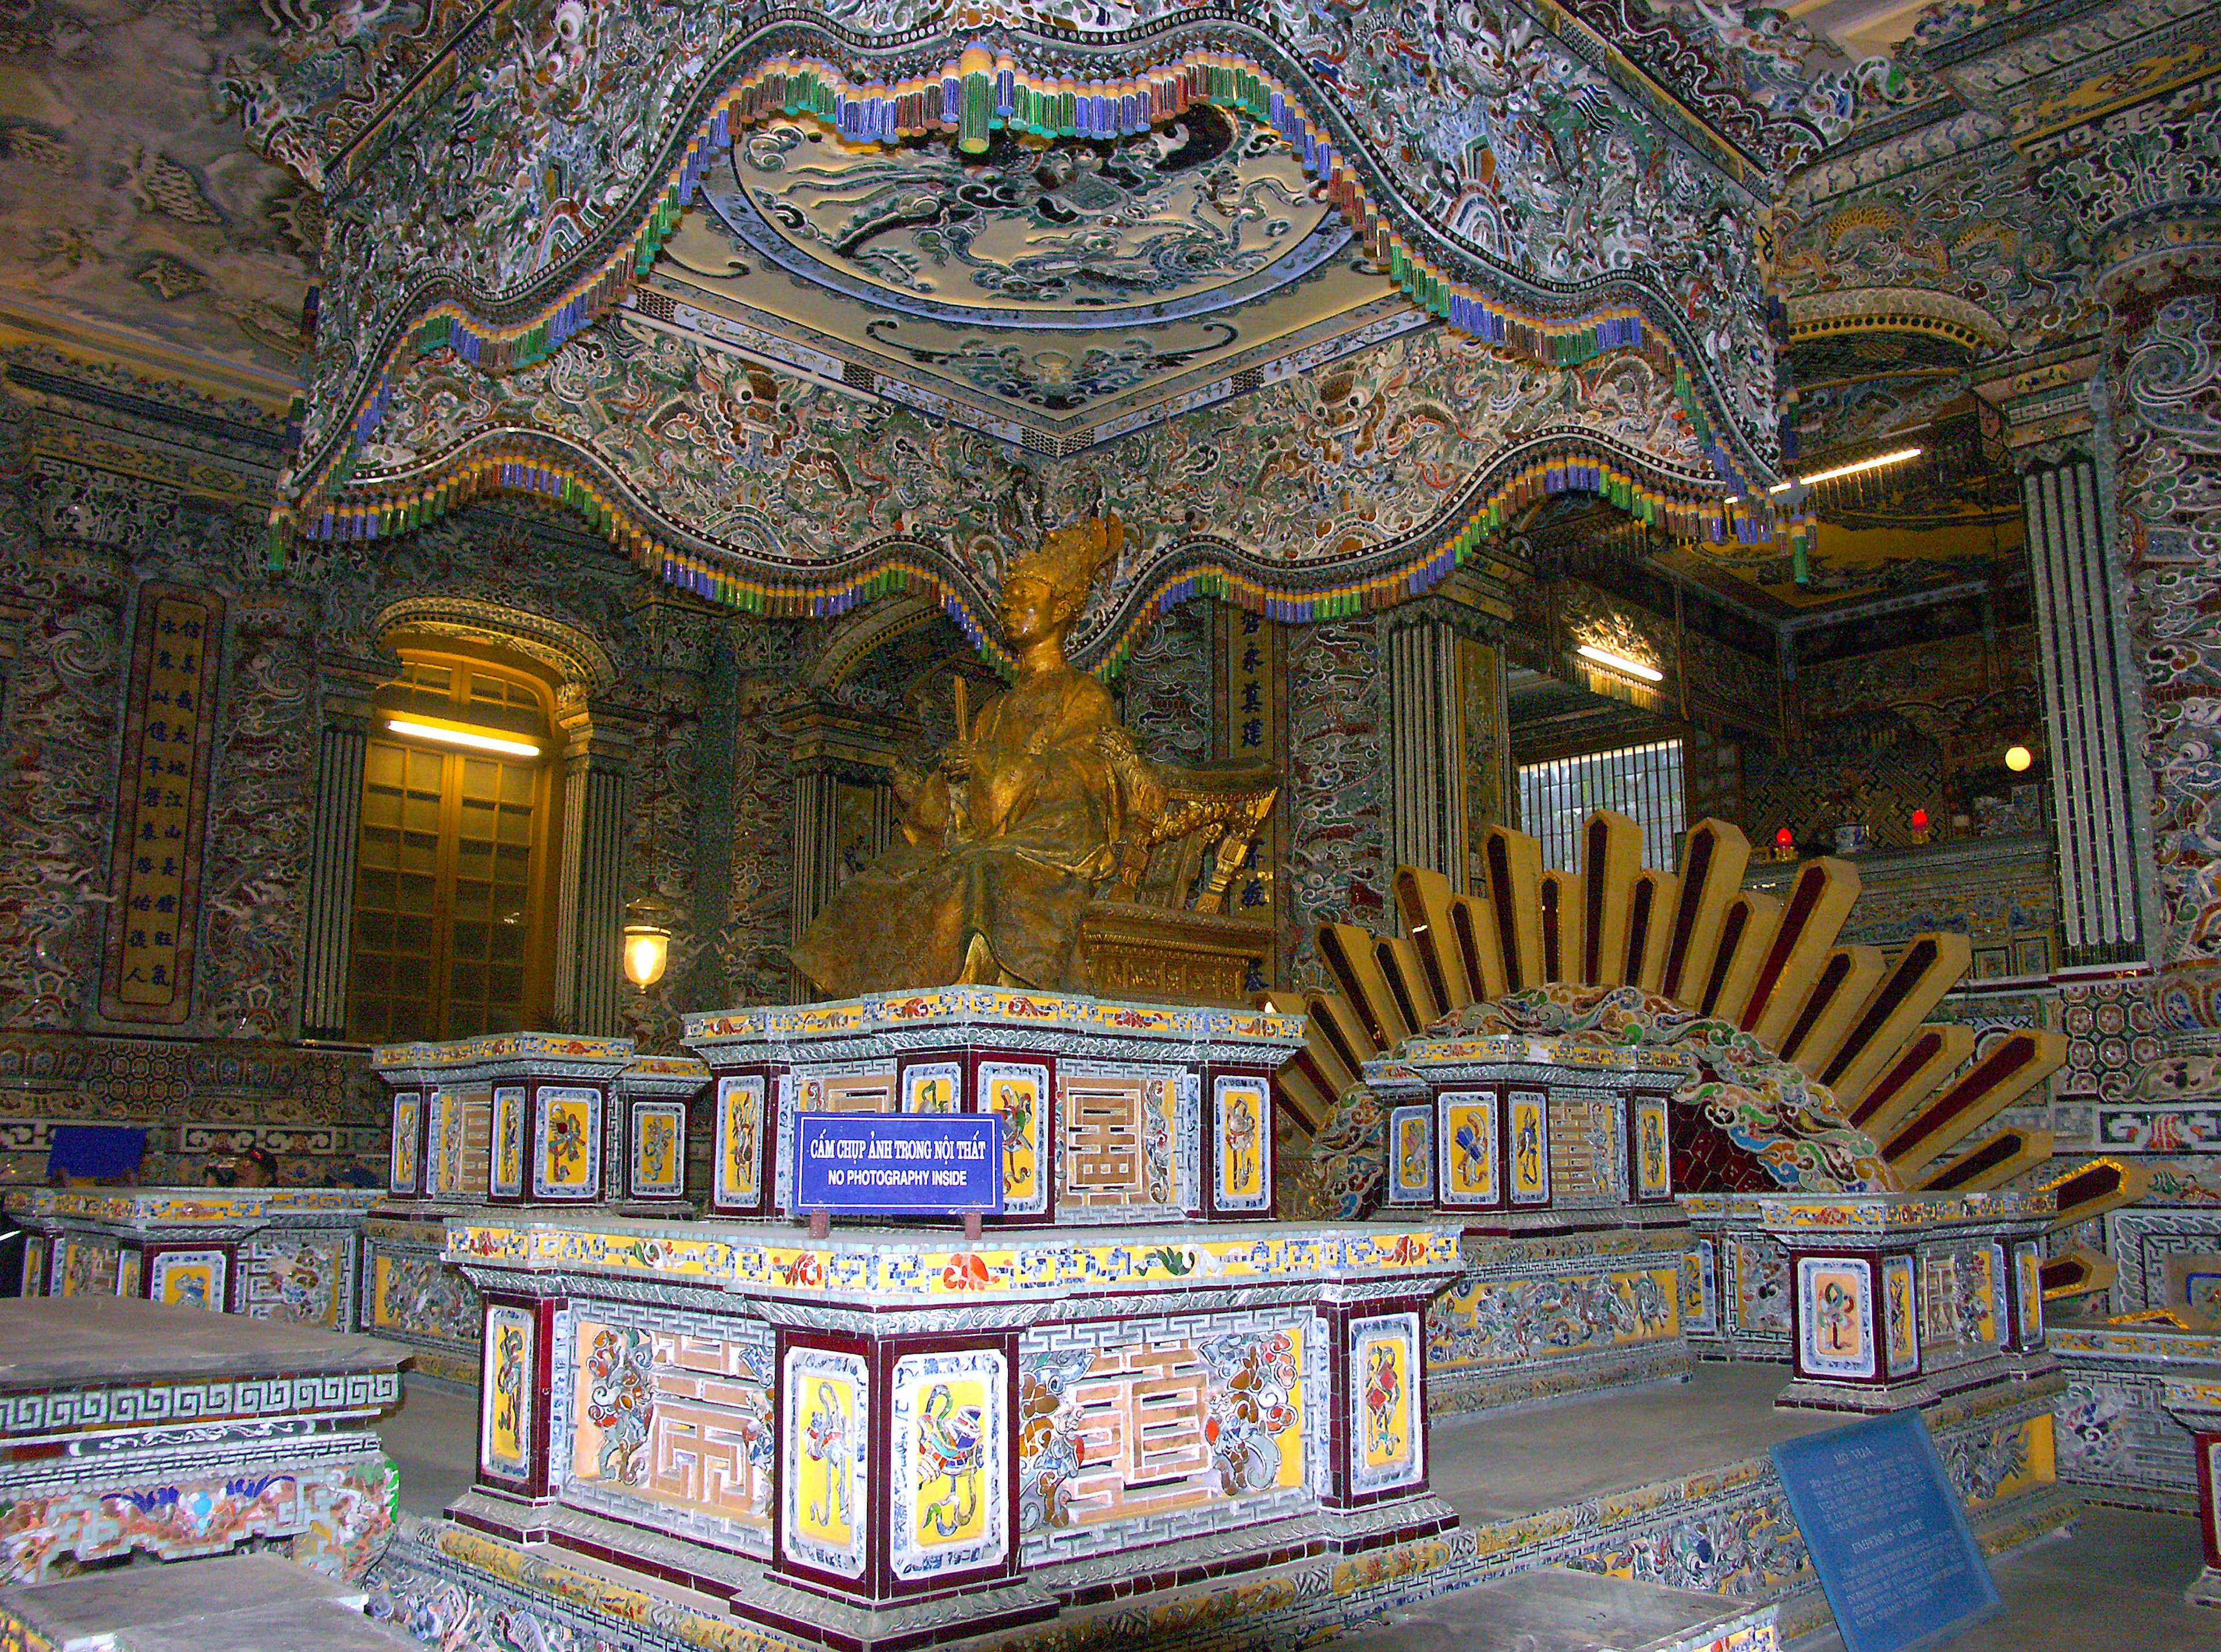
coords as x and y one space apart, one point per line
1043 590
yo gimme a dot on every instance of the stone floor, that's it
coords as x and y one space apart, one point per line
2115 1581
434 1441
1500 1467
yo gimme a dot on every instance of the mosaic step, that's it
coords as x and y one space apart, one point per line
247 1603
131 1427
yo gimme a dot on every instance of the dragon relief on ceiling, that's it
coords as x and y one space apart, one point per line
1168 221
1489 136
1055 279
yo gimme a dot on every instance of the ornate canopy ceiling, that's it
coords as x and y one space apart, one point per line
799 302
1065 231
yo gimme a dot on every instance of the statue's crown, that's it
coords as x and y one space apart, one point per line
1068 558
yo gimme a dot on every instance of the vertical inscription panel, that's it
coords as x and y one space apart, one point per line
162 805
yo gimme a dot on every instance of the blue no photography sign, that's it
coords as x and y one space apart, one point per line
898 1164
1887 1536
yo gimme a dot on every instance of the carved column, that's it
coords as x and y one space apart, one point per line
346 683
590 906
2092 712
844 801
1428 653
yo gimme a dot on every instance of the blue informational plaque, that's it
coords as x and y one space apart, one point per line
898 1164
1886 1533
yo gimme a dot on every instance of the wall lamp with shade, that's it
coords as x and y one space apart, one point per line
648 923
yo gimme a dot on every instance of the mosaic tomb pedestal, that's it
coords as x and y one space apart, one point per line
131 1426
1878 1301
1556 1159
274 1253
892 1438
504 1121
2194 1401
2117 1443
1112 1113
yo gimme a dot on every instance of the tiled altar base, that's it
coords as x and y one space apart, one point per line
1669 1483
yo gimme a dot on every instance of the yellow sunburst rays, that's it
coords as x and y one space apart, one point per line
1852 1020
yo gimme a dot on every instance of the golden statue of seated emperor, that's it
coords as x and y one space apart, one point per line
1039 811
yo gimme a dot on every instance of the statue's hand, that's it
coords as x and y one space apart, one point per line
955 759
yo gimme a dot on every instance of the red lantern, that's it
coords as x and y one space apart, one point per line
1785 837
1920 820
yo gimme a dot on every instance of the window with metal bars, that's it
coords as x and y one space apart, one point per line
1645 783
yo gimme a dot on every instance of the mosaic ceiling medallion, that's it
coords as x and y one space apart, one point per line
1068 291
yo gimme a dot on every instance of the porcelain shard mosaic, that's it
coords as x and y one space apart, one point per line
1136 1430
885 1264
670 1420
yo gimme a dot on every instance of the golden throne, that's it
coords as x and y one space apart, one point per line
1158 928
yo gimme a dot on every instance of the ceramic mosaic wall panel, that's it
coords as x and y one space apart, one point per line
1145 1429
566 1161
1583 1163
1128 1141
669 1415
411 1296
739 1136
129 1273
1837 1319
508 1393
1901 1324
659 1148
1411 1154
443 1143
90 1268
2165 1256
612 1403
408 1109
1387 1443
458 1137
1466 1143
1530 1158
1700 1286
1242 1109
298 1277
1653 1172
1761 1287
932 1087
1487 1322
507 1174
825 1426
194 1278
1019 1091
950 1485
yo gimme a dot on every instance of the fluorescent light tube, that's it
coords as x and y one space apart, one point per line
470 737
1615 663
